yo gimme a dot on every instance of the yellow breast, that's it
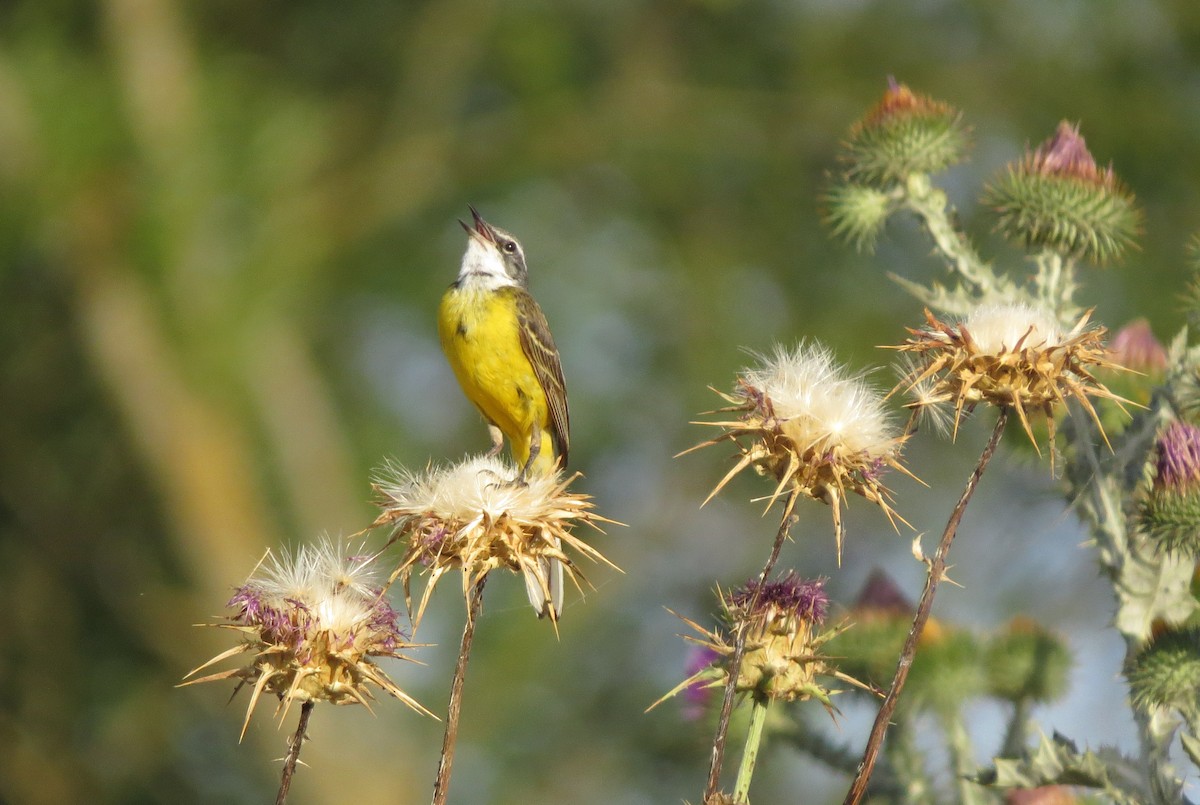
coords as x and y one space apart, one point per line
480 334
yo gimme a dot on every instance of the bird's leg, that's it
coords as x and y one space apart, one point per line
497 439
535 447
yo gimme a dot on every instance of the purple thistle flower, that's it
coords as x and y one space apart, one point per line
880 592
1135 347
1066 154
697 695
789 595
1178 460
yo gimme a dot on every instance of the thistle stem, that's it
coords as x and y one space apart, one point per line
1018 729
962 759
929 203
937 569
293 755
739 650
758 717
441 786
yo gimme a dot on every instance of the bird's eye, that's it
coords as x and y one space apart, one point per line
510 246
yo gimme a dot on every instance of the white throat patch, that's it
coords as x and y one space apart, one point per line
482 267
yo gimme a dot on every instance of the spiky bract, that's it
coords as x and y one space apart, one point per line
1010 355
1056 197
817 429
314 619
1166 673
905 133
472 516
856 213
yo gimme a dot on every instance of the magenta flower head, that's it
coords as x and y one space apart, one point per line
702 667
1135 347
1177 460
313 621
788 597
1170 512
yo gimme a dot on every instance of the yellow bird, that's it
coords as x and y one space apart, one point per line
498 343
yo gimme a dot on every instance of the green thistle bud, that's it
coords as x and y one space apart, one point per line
1027 662
1170 513
1058 198
1166 673
882 615
856 214
947 669
1191 296
903 134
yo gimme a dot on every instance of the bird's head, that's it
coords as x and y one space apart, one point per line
493 258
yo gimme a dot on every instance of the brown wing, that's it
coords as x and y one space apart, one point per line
538 346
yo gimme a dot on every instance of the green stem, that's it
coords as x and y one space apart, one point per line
1018 729
717 758
930 204
758 717
908 763
962 760
1147 583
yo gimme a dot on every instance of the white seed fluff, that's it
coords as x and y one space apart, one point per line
822 404
341 591
481 485
998 328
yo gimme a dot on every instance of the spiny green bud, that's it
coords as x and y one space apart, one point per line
856 214
947 672
947 669
881 616
1191 296
1056 197
1166 673
903 134
1170 512
1026 662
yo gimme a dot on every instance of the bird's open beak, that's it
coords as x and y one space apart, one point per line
482 228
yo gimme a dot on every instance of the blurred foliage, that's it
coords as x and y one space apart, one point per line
224 226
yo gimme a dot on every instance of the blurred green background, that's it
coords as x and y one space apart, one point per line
224 229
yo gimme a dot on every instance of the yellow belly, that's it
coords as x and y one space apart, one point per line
481 338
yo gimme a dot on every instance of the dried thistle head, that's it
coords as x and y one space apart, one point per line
1009 355
314 620
472 517
817 429
782 660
